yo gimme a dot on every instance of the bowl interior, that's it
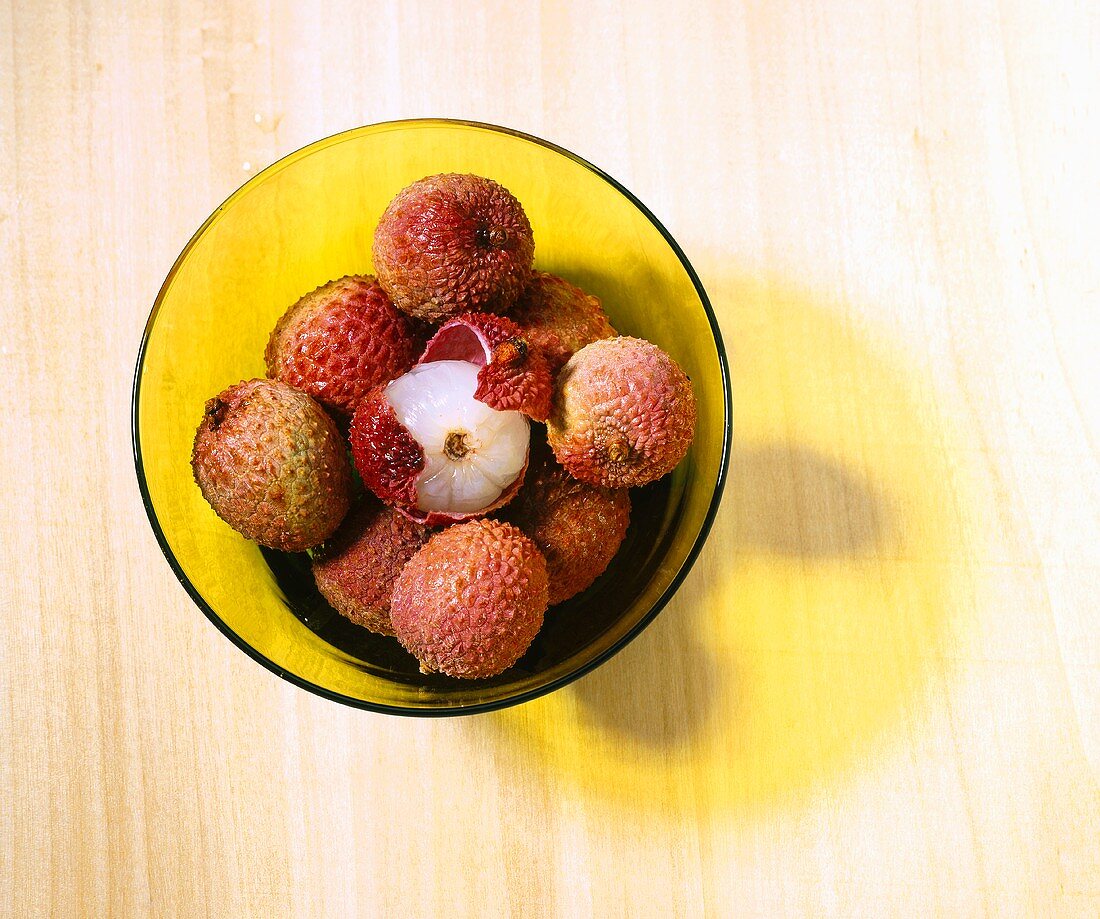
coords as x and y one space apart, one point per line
310 218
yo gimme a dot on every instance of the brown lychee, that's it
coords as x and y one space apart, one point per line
471 601
340 341
513 374
624 413
272 465
425 445
577 526
356 568
453 243
559 318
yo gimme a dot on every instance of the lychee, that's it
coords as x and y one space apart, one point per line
425 445
340 341
471 601
559 318
577 526
624 413
453 243
356 568
272 465
513 375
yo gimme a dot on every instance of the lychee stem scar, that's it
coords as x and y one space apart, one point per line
618 451
457 445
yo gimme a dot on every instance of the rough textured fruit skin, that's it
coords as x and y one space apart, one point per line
272 465
389 459
453 243
340 341
578 527
472 600
356 568
515 375
624 413
386 455
559 318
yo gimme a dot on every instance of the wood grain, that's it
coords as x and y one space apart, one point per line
878 693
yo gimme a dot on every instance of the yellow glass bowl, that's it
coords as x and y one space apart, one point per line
310 217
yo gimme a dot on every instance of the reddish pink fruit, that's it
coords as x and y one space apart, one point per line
578 527
356 568
624 413
453 243
514 375
470 602
340 341
559 318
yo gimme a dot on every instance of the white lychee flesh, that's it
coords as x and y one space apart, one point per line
472 452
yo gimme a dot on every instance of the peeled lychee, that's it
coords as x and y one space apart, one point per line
425 445
559 318
272 465
513 375
472 600
453 243
356 568
624 413
340 341
577 526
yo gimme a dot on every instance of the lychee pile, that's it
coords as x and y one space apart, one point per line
435 379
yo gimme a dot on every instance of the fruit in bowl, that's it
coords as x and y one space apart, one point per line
311 217
340 341
270 462
447 442
453 243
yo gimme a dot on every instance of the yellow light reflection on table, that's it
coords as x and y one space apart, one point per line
827 601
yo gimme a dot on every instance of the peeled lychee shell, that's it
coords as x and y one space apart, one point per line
559 318
624 413
470 602
340 341
453 243
426 446
356 568
514 374
577 526
271 463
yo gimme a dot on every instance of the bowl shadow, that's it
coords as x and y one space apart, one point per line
769 486
815 614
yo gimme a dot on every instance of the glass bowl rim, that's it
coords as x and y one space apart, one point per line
450 710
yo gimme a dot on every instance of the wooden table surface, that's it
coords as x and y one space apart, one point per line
877 694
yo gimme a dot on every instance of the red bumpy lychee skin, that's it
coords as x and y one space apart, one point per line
340 341
578 527
453 243
272 465
514 375
559 318
355 570
386 455
624 413
470 602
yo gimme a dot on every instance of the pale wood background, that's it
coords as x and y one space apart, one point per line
879 692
